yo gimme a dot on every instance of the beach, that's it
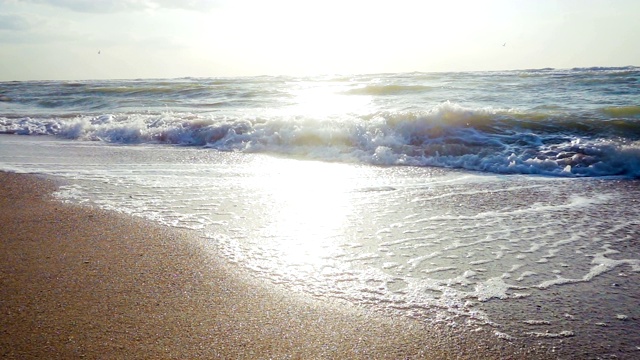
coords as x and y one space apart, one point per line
79 282
402 215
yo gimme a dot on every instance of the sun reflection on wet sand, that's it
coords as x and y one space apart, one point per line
308 206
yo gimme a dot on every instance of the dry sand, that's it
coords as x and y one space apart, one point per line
77 282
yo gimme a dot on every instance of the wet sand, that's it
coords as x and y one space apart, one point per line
78 282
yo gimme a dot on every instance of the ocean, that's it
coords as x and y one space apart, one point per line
504 200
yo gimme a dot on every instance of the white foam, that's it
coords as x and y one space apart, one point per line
504 336
71 193
537 322
550 335
526 274
494 288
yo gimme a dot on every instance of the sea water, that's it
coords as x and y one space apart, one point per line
500 200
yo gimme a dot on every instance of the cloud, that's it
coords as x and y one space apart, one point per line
189 4
38 31
111 6
13 22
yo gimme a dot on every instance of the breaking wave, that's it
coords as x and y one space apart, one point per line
447 135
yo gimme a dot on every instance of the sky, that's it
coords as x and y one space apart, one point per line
120 39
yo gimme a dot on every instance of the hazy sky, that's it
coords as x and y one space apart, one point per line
94 39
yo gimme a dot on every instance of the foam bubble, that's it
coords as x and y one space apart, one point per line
550 335
494 288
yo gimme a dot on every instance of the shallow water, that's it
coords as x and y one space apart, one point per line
540 259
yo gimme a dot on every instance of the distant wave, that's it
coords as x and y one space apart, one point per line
448 135
605 68
622 111
133 94
387 89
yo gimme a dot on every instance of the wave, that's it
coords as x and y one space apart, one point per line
606 69
622 111
447 135
388 89
123 95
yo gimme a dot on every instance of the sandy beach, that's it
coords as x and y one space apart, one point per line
78 282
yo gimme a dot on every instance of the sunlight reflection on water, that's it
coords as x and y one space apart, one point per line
322 101
307 208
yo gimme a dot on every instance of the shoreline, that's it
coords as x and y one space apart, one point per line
82 282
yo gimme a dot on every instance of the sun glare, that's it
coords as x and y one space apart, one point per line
310 203
297 38
324 100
